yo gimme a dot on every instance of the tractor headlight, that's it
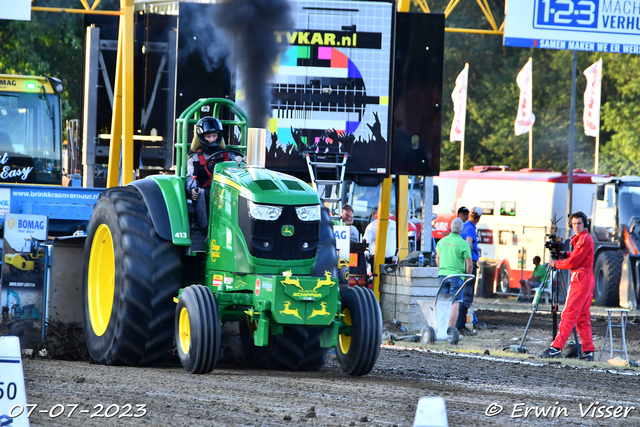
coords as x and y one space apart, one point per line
308 213
264 212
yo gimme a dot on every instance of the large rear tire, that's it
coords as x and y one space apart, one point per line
296 349
607 272
357 351
130 277
198 330
327 258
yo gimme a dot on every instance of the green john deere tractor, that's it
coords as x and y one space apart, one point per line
267 259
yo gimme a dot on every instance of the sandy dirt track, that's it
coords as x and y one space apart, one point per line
470 383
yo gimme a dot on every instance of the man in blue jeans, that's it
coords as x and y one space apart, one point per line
471 236
453 256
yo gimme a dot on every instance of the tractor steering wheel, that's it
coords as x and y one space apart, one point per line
217 157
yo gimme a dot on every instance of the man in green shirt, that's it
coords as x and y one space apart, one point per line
453 256
536 278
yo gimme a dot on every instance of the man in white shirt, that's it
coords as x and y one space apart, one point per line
370 236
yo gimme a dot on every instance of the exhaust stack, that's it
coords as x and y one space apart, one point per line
256 147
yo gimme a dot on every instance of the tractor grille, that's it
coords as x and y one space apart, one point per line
265 239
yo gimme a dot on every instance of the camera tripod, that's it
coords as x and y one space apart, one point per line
557 281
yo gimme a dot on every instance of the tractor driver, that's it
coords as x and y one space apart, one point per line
201 162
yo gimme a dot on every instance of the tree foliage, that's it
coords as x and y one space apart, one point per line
51 44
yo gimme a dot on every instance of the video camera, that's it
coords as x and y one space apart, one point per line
554 243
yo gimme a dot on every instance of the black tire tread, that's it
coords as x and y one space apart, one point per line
144 330
611 291
366 332
205 329
315 356
296 349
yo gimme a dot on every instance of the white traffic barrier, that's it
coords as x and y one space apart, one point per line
431 412
13 396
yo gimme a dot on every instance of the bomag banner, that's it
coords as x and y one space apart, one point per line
23 264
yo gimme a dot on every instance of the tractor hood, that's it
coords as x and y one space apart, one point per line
266 186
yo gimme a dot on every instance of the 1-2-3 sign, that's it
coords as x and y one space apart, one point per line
571 14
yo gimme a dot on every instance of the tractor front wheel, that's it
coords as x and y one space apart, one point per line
197 330
358 348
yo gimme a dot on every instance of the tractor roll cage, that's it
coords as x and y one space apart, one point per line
190 117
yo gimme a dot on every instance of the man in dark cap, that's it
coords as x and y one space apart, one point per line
463 214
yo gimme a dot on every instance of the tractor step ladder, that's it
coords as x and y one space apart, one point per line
334 165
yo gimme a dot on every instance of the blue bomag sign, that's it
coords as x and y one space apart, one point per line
30 224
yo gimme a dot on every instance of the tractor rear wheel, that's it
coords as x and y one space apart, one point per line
197 330
357 351
607 272
296 349
130 276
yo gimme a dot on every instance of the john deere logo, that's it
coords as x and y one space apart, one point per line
287 230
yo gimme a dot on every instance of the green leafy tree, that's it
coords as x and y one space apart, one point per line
51 44
620 153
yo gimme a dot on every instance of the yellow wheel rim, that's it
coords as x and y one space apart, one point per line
184 331
101 280
345 340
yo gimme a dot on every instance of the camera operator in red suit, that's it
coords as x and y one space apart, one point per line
576 310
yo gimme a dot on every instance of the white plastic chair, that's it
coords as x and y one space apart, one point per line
546 287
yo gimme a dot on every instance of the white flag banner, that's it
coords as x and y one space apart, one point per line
591 116
525 118
459 97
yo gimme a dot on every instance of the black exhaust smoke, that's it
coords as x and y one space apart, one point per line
249 28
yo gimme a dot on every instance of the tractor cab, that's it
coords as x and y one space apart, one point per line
30 145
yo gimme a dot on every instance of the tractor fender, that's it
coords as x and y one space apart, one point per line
165 197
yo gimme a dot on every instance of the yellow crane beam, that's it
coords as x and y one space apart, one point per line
404 6
120 170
